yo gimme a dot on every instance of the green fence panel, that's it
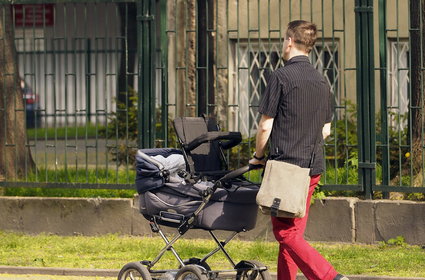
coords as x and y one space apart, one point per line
400 128
78 76
111 75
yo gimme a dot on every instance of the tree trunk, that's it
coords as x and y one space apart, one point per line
417 7
186 57
15 156
191 58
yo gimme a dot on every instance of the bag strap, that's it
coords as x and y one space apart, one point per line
313 154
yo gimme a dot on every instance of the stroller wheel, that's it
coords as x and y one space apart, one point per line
250 270
134 271
191 272
197 262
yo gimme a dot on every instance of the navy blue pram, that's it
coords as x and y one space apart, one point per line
188 189
163 192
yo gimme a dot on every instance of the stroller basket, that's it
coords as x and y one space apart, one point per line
168 196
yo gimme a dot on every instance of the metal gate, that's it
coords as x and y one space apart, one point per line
214 57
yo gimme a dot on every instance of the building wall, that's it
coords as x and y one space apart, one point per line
254 23
72 61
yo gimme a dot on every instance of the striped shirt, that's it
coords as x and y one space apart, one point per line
299 99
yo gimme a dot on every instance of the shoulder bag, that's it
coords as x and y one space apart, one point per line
284 189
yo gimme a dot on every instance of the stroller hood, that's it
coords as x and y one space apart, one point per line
154 173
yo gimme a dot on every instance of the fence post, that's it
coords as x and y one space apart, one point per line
164 71
365 95
383 136
146 71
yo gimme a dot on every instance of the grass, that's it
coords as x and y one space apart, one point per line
70 132
68 192
91 176
113 251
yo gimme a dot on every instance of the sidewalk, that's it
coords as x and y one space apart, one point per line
37 272
46 273
50 277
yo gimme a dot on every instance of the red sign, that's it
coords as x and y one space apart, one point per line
37 15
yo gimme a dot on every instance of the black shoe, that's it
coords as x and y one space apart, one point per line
341 277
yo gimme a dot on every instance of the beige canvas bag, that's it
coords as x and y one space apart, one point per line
284 190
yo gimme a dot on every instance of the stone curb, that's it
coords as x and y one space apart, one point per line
359 222
114 273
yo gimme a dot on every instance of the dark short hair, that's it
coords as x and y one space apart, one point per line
303 33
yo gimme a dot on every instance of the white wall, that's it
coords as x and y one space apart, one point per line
57 63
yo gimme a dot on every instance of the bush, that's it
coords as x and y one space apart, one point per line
122 125
240 155
341 145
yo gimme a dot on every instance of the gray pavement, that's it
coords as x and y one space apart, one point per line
50 277
44 273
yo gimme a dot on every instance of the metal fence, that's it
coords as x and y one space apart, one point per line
122 70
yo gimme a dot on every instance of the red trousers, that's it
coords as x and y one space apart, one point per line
295 252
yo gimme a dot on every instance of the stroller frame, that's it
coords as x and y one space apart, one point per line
186 224
169 247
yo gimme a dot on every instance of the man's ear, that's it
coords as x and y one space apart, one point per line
290 42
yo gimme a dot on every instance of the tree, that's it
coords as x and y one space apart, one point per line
417 42
417 52
15 155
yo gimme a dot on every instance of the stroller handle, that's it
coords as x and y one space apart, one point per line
238 172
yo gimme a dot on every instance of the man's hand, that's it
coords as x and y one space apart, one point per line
326 131
255 161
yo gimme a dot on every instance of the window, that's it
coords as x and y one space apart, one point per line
251 66
325 59
398 80
29 40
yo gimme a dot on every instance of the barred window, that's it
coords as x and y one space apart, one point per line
251 65
398 81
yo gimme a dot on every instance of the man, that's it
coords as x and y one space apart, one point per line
296 112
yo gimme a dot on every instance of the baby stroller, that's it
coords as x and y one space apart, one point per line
191 188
